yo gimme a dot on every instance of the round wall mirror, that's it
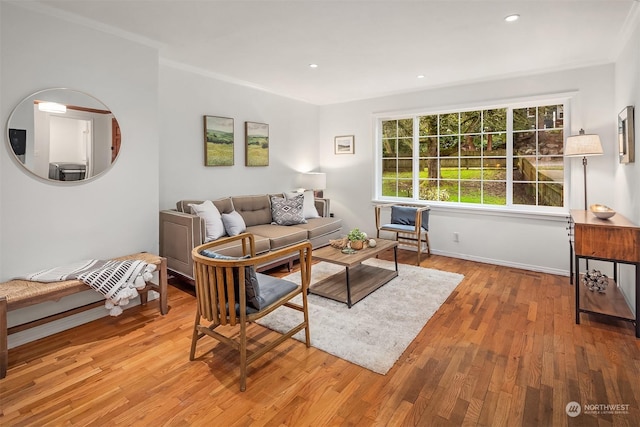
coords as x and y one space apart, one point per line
63 135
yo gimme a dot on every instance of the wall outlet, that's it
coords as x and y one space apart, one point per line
456 236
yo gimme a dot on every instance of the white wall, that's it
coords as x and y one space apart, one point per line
627 176
43 224
520 240
186 96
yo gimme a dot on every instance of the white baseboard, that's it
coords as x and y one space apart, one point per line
529 267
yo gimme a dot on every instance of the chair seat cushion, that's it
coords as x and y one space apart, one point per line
400 228
273 288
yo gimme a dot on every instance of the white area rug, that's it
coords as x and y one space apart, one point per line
377 329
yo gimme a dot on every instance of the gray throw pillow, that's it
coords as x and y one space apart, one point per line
251 285
288 212
233 223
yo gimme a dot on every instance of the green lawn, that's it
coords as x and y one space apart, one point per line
493 194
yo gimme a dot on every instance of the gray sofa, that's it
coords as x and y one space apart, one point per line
181 230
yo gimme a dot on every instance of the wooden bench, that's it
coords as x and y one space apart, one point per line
17 294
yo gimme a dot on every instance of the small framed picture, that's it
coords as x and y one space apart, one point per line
218 141
344 144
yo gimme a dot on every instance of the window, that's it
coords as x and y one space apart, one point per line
511 155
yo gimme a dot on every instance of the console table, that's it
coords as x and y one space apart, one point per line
615 240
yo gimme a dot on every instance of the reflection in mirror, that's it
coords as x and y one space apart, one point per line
63 135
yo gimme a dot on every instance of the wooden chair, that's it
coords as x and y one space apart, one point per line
230 293
410 223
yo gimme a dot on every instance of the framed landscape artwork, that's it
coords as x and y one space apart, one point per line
344 144
257 144
218 141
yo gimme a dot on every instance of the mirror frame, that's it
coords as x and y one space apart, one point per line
30 100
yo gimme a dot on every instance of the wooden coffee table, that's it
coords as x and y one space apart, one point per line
358 280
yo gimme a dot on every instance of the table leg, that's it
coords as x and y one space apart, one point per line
395 256
637 266
162 282
577 286
4 351
348 288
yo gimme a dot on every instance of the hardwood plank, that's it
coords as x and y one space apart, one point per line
503 349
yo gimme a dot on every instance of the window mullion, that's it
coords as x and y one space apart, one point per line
509 194
416 159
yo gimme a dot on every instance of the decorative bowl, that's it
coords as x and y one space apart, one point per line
602 211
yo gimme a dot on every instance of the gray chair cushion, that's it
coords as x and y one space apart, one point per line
406 215
251 284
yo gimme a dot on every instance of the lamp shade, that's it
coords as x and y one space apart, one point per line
583 145
312 180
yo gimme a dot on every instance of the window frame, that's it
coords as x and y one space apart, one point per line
564 99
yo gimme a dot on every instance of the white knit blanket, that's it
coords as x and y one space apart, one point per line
117 281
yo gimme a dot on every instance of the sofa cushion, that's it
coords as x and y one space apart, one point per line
320 226
214 228
279 237
254 209
288 212
233 223
309 207
262 245
224 205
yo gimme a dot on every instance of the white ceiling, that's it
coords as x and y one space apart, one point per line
364 48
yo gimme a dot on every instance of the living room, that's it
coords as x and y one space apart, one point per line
159 104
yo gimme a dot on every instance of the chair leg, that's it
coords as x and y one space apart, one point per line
243 356
307 337
194 338
426 239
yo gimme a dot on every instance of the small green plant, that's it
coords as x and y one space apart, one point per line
356 234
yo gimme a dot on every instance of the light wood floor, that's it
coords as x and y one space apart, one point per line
504 350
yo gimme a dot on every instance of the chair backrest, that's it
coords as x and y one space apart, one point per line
228 288
221 283
406 215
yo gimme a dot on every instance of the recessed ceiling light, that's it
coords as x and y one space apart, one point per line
313 65
421 76
512 18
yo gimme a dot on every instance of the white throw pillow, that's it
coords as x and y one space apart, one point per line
309 204
214 229
234 223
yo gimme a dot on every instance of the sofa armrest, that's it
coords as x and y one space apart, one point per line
322 206
179 234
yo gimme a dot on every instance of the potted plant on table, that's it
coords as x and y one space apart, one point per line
357 238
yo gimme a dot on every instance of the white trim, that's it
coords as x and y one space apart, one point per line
88 22
529 267
542 213
542 99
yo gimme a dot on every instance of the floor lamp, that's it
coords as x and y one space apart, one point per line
583 145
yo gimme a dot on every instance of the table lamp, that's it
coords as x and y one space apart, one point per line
583 145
